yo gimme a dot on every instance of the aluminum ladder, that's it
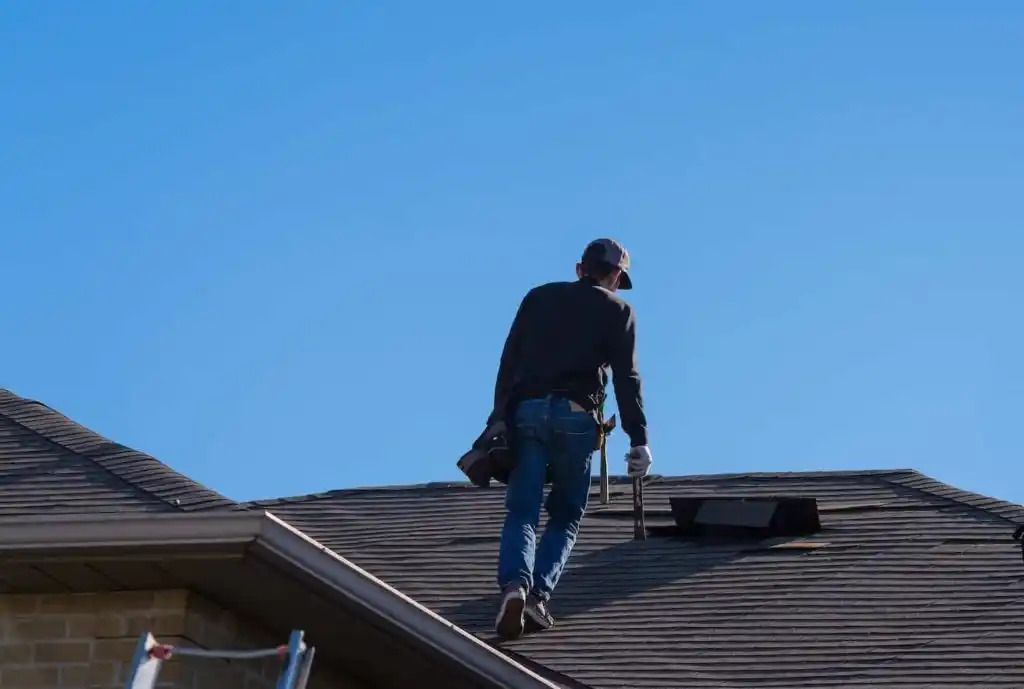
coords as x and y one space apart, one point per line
150 655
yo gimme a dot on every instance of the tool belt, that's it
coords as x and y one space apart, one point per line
604 428
493 454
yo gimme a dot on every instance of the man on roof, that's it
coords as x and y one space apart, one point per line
551 382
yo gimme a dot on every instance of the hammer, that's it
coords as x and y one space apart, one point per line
605 428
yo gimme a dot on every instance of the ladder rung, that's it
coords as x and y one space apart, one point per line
150 654
227 654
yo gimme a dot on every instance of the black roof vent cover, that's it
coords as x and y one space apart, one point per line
754 517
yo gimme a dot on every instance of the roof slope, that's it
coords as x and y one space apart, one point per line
50 464
919 584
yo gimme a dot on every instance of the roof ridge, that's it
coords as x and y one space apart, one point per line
403 487
614 480
811 473
363 490
160 481
915 480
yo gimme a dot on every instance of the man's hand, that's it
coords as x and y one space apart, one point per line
638 461
495 428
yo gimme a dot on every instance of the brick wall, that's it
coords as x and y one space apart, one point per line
86 641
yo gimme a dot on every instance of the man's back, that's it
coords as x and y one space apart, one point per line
563 336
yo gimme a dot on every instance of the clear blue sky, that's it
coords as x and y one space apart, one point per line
279 245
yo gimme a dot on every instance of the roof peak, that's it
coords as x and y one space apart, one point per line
144 473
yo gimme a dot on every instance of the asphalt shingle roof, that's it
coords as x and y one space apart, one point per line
50 464
912 583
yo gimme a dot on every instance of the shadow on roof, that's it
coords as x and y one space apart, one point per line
600 578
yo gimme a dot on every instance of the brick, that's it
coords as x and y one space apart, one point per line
40 627
12 653
187 675
105 672
159 624
87 641
228 624
19 604
205 607
95 626
175 600
169 624
110 626
136 625
81 626
37 677
121 672
74 675
194 627
214 636
63 651
173 672
69 604
132 600
218 676
122 650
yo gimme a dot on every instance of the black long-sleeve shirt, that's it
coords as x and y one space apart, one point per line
563 337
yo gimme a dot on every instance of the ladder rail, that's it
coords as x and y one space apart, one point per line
295 650
305 669
145 667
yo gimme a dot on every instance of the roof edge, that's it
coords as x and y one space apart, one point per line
915 480
168 486
91 531
416 621
296 550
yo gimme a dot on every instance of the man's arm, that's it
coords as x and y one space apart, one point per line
626 379
508 365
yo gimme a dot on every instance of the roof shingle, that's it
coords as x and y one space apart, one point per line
50 464
917 584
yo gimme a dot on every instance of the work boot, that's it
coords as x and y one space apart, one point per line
537 616
510 622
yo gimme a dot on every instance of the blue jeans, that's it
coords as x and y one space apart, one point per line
548 433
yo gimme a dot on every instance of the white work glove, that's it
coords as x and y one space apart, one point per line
638 461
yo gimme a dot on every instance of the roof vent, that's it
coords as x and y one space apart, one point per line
754 517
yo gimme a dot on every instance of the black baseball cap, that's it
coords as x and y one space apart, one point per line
609 251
